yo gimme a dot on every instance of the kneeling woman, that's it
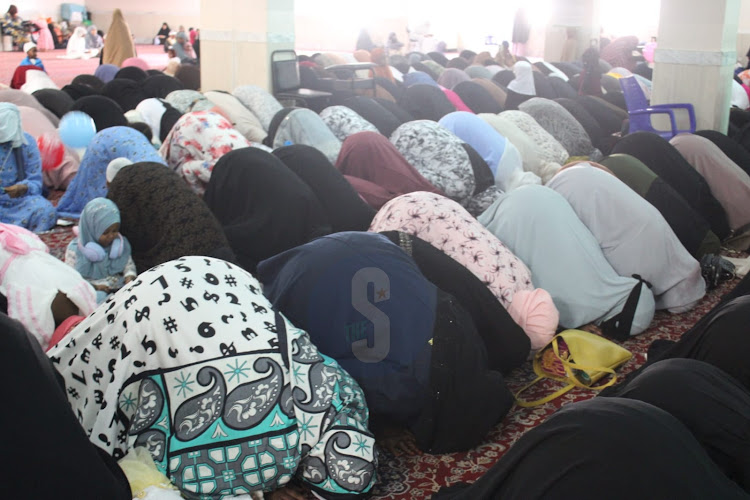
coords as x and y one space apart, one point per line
541 228
412 347
191 362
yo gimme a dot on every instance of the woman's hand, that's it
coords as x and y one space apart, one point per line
102 288
128 279
16 190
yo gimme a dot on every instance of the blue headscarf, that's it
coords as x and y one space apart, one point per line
97 216
106 72
10 125
478 134
314 285
91 182
416 77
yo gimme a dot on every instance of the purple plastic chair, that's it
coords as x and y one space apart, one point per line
640 111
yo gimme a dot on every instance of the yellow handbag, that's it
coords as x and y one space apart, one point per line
579 358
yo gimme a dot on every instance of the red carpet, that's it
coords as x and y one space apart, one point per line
62 71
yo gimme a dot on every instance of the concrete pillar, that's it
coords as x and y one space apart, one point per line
695 58
237 39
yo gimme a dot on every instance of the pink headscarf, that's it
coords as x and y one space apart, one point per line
447 226
137 62
729 184
457 102
377 171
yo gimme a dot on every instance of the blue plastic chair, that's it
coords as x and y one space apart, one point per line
640 111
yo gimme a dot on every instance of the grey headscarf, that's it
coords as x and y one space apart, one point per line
262 104
303 126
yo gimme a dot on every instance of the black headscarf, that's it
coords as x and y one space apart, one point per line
608 118
127 93
438 58
418 66
507 345
190 76
569 69
375 113
76 91
426 102
477 98
104 111
458 63
154 72
273 127
542 86
160 86
90 81
262 205
616 98
666 162
37 395
168 120
469 55
131 73
163 218
588 122
399 62
143 128
400 113
709 401
729 147
343 207
656 457
562 88
57 101
483 176
504 77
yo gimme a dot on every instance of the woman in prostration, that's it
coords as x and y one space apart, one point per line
119 43
21 200
205 367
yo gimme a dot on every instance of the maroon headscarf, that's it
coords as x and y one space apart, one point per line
377 171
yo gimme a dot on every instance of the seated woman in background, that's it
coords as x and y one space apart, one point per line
13 26
21 200
93 40
99 252
183 50
162 35
281 410
77 46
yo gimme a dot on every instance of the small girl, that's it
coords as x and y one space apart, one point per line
100 253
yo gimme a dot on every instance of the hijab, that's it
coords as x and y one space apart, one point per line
11 129
77 90
477 98
91 80
456 101
458 63
134 73
263 207
163 218
160 86
375 113
610 120
262 104
426 102
242 118
452 77
106 72
20 98
418 78
55 101
37 80
343 207
344 122
476 71
376 169
633 235
450 228
438 156
127 93
97 216
36 124
119 44
523 83
189 75
667 162
428 387
531 157
433 68
727 181
502 156
498 94
186 101
152 110
438 58
304 126
195 144
115 166
593 128
729 147
104 111
562 126
90 182
691 228
547 146
531 220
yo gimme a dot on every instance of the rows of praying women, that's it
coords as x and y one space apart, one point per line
258 294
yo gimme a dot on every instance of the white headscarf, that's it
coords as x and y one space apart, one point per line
152 110
10 125
37 80
115 166
524 81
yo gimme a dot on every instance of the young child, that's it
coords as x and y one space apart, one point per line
100 253
31 58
